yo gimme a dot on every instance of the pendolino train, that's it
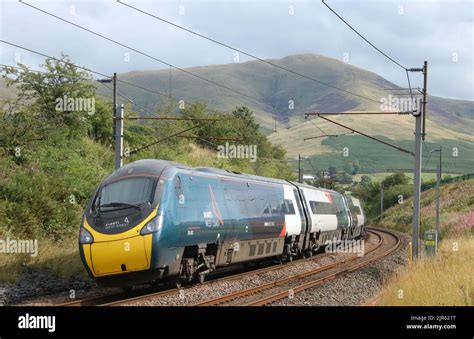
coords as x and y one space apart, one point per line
155 220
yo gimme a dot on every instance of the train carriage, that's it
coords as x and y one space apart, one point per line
358 216
154 220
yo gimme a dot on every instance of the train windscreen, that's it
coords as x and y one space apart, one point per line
126 193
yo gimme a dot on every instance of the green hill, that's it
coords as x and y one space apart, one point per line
450 122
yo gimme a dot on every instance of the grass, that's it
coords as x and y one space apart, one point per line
456 209
445 280
58 258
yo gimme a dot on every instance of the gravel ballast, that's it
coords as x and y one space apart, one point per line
355 288
199 293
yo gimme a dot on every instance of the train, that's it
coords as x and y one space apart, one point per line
155 221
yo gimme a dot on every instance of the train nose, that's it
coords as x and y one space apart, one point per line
119 256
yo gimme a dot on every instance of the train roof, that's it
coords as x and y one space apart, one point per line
235 174
259 178
313 187
150 167
155 167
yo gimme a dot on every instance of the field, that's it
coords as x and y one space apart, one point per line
374 157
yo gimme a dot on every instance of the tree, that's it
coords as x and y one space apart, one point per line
332 171
365 181
395 179
344 178
52 91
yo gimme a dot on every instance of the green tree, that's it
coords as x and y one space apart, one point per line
332 171
51 90
365 181
395 179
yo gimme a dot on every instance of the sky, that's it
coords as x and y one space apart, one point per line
441 32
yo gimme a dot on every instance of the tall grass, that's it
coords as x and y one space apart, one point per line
457 211
444 280
58 258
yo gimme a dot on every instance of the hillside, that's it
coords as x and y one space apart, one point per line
450 122
446 279
457 211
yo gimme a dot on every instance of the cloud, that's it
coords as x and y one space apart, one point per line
409 31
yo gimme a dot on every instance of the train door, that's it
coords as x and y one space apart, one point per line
292 210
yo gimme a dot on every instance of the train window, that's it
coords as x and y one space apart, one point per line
132 191
178 186
355 209
237 195
340 206
256 201
319 207
287 207
178 190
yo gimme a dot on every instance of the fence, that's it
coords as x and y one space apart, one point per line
464 177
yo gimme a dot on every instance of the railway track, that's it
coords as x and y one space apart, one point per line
127 297
268 293
144 294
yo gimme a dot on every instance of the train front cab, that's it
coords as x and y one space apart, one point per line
119 232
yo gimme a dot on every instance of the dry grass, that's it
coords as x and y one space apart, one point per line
59 258
11 265
445 280
199 156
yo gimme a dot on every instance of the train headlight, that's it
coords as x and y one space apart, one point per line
85 237
154 225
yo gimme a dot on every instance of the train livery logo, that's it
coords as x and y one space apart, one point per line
215 208
328 196
126 220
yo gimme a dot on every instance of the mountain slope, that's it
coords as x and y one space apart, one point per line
448 120
269 86
265 87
